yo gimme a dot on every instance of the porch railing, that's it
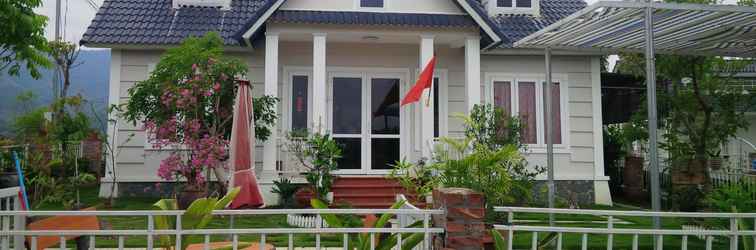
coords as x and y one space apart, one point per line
10 202
287 164
612 228
151 232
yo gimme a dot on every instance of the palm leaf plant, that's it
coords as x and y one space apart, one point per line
362 241
197 216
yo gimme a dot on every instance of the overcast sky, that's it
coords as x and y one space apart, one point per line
77 20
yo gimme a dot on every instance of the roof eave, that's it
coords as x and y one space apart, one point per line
245 35
485 24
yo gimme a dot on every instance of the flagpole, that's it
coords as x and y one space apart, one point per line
430 94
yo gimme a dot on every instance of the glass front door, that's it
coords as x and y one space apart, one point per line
365 121
384 122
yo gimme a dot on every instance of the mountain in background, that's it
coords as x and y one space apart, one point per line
90 79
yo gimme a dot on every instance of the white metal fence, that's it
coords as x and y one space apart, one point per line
9 202
733 234
151 232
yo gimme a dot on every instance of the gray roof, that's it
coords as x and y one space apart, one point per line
516 27
155 22
372 18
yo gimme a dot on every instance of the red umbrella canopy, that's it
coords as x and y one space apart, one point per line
243 151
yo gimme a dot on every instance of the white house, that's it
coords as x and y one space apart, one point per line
335 62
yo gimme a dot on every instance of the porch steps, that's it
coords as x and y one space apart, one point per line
368 192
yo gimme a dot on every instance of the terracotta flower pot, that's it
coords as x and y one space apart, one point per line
189 195
303 196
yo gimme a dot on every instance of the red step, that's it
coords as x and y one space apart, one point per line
367 192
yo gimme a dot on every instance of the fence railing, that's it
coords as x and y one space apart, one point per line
287 164
733 233
10 202
151 232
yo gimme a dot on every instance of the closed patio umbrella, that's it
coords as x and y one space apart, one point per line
243 151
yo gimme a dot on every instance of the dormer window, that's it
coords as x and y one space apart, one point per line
529 7
371 3
220 4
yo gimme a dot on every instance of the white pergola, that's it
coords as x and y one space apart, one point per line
623 26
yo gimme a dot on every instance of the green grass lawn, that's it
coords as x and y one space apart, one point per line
574 240
89 197
522 240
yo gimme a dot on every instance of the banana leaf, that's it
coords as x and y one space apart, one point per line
548 240
499 243
380 223
331 219
163 222
391 241
197 216
412 241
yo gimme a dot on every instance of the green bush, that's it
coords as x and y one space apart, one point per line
318 153
285 190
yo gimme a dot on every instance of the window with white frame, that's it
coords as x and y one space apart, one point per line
299 102
524 98
371 3
496 7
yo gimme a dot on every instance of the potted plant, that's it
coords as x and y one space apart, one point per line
318 153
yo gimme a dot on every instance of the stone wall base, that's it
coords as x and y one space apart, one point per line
568 193
166 190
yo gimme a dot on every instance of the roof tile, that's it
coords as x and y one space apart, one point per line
156 22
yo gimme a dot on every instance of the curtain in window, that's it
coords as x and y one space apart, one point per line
371 3
299 103
527 96
503 3
503 96
556 114
523 3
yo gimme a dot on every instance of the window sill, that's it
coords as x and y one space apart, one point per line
541 149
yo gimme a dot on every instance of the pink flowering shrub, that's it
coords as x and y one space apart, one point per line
196 142
186 107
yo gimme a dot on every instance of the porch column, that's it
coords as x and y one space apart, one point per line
319 82
270 150
472 71
426 111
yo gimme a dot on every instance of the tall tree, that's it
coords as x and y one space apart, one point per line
65 56
22 37
702 108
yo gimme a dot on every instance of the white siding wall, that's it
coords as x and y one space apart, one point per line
137 161
574 162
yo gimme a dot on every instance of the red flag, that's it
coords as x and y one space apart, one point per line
425 81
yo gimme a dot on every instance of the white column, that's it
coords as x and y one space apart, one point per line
601 181
114 98
319 82
270 150
472 71
426 102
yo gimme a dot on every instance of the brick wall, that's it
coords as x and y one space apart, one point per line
463 221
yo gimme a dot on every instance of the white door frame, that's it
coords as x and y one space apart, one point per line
367 74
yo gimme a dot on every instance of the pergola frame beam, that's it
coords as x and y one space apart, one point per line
650 28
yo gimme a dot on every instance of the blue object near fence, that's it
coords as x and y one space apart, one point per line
21 181
753 164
